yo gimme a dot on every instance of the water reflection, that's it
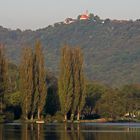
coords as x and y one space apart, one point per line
32 132
72 132
69 132
1 132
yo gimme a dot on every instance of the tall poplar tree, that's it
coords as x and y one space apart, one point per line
33 82
26 81
78 83
65 81
71 82
3 76
75 77
40 89
80 93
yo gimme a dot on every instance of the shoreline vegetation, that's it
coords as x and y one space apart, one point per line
30 93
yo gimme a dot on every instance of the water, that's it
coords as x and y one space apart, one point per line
83 131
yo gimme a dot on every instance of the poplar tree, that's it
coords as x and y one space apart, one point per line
26 81
3 76
78 83
71 82
75 77
40 89
65 82
33 82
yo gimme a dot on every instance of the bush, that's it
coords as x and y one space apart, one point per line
2 118
48 118
58 117
138 117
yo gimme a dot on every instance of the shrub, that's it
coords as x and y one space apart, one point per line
58 117
2 118
48 118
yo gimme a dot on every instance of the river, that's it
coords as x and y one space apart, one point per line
83 131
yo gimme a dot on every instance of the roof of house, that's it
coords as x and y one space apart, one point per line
84 16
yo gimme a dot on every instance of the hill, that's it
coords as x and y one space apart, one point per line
111 47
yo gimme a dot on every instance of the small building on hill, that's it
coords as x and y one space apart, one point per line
84 16
69 20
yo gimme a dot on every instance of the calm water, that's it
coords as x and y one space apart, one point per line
84 131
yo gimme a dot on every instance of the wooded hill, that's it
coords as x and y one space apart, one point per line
111 47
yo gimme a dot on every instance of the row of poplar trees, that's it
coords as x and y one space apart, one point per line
33 82
71 82
33 87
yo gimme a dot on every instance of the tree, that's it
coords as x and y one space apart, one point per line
52 102
94 91
40 89
13 78
97 18
110 104
33 82
79 93
65 81
71 82
26 81
3 76
81 83
78 17
131 99
91 16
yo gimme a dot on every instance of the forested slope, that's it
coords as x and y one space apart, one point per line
111 48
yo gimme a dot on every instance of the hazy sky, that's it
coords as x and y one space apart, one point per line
34 14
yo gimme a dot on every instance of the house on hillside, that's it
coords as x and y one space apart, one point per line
84 16
69 20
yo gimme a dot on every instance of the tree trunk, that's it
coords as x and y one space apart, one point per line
65 118
1 105
26 109
26 115
32 117
78 116
38 114
26 118
72 117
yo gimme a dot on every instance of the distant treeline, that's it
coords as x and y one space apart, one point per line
29 91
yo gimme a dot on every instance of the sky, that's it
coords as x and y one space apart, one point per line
35 14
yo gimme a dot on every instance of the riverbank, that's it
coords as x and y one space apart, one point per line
102 120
